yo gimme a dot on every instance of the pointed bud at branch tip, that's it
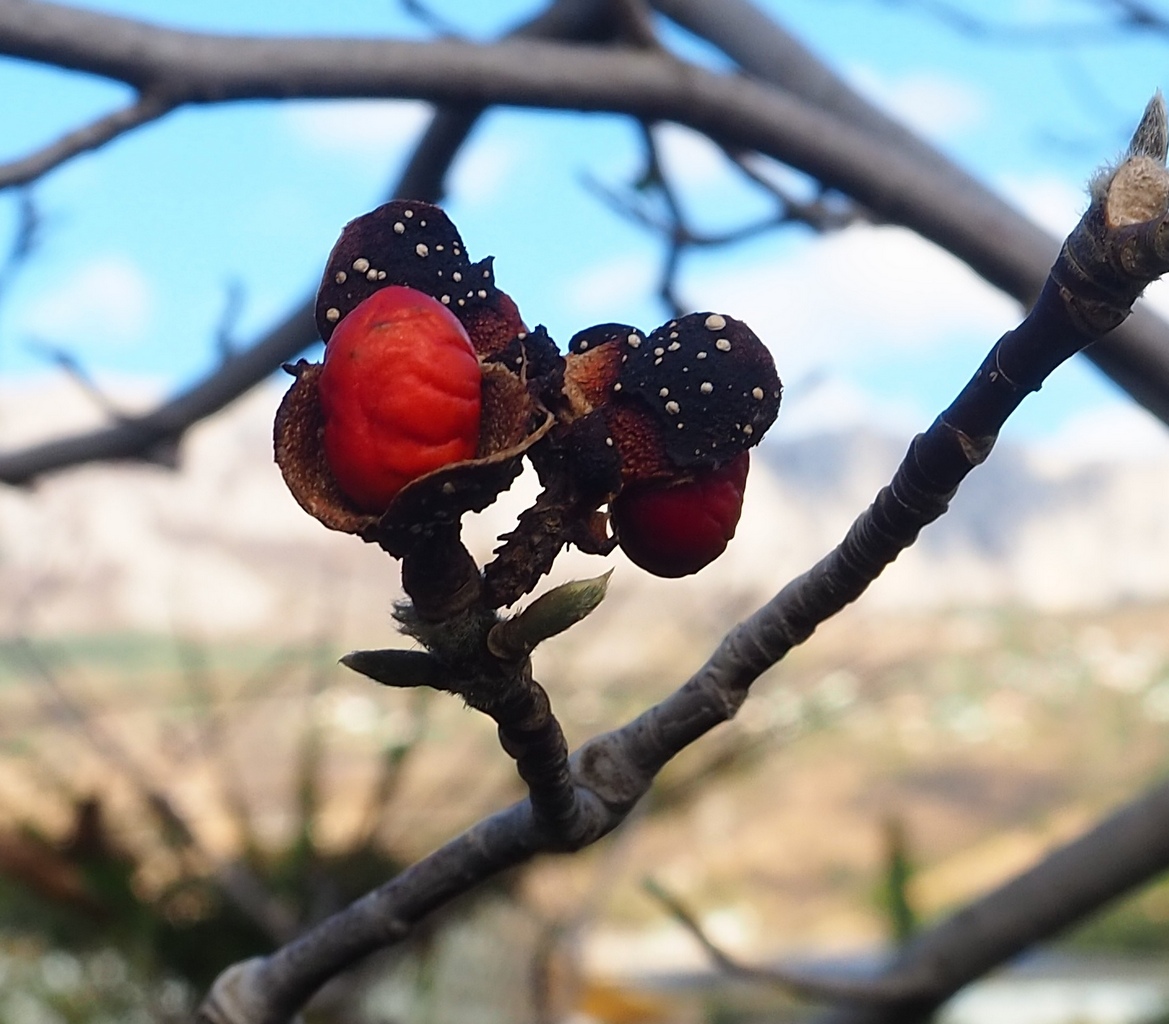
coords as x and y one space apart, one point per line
1151 137
548 615
396 667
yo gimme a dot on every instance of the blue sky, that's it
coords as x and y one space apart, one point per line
142 238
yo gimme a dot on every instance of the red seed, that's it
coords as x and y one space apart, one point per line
675 529
400 394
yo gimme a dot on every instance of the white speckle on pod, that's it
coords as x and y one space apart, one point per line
609 441
482 293
714 322
445 300
371 274
456 276
673 408
701 355
659 351
399 228
381 275
408 213
634 341
757 394
421 249
617 386
332 314
748 429
663 393
361 264
340 277
706 387
723 345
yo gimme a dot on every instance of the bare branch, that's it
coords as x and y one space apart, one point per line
1103 266
422 13
813 985
29 227
1122 852
1130 16
855 151
1133 355
233 306
144 437
635 23
237 882
824 213
675 231
76 372
94 135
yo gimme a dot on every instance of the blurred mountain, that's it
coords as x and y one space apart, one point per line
219 547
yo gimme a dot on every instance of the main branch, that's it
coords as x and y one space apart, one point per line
1120 245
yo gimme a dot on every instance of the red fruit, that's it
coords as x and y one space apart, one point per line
400 394
675 529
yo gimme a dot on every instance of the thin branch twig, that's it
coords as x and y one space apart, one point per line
813 985
142 437
241 885
1130 355
92 136
72 367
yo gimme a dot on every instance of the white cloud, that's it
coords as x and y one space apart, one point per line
484 167
108 300
833 405
934 105
1053 203
847 297
691 158
601 290
356 127
1118 432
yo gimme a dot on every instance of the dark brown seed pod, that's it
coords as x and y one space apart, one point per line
705 382
593 363
535 358
406 242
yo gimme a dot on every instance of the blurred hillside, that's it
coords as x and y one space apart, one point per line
219 548
1002 685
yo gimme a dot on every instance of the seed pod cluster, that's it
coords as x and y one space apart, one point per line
433 389
682 406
